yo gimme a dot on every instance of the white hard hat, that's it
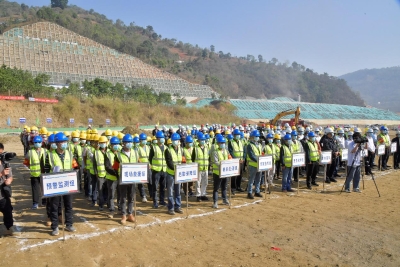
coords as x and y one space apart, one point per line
356 130
328 130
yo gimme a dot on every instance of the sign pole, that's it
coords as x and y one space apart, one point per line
380 162
266 184
134 203
298 181
323 182
230 191
187 200
62 216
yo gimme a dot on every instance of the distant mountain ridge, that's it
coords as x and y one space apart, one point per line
379 88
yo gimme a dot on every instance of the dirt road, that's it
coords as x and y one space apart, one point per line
311 228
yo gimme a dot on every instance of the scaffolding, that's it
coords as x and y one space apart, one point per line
48 48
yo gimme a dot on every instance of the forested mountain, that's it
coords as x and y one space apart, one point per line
378 87
233 77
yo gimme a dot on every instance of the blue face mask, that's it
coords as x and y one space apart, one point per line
128 145
53 146
313 139
75 140
83 142
102 145
256 138
289 142
278 141
64 146
190 144
37 145
175 142
162 140
222 146
108 137
143 142
237 137
294 137
88 143
202 142
115 147
270 141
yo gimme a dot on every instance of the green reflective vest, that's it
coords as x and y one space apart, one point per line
237 146
287 156
277 151
144 152
313 149
34 161
89 160
257 152
222 155
176 158
100 164
78 151
187 152
55 160
386 140
202 157
270 149
296 146
158 162
111 156
123 158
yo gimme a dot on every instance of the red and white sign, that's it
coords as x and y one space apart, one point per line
45 100
12 97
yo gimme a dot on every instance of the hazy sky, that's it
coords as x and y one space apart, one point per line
333 36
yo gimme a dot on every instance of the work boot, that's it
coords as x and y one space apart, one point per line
111 214
258 194
131 218
48 222
123 220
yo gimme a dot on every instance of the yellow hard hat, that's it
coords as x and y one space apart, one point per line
77 130
55 132
218 131
43 130
274 127
293 127
34 128
228 132
95 137
148 139
108 132
26 126
89 131
120 136
169 141
277 136
268 127
67 133
94 131
88 137
75 134
48 134
28 129
212 133
82 136
153 138
103 139
136 135
114 133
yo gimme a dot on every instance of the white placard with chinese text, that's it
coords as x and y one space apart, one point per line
229 168
345 154
133 173
185 173
326 157
59 184
381 150
298 160
265 163
393 147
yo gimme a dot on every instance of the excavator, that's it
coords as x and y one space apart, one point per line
292 122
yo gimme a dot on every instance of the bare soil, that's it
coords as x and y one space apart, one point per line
311 228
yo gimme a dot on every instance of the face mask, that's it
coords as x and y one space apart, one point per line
148 143
270 141
83 141
102 145
154 141
88 143
350 137
37 145
294 137
64 146
115 147
128 145
162 140
289 142
278 141
143 142
313 139
190 144
222 146
75 140
109 137
256 138
237 137
207 141
136 144
299 137
53 146
175 143
202 142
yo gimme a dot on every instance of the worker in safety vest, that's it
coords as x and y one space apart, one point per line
220 153
384 139
94 144
100 170
144 152
312 159
126 155
201 155
187 158
286 161
111 175
270 149
34 160
236 149
277 144
297 147
253 151
173 157
61 160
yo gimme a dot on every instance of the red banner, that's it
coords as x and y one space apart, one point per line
45 100
12 97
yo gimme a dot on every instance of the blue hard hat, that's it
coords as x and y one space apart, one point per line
37 139
136 139
175 137
189 139
270 135
114 140
51 139
201 136
383 128
142 136
311 134
229 136
294 133
160 134
193 132
60 137
241 134
207 136
127 138
255 133
236 132
221 139
217 135
287 137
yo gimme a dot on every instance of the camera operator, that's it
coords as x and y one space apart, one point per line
328 143
369 163
353 168
5 195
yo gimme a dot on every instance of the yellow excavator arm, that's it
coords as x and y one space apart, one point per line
285 113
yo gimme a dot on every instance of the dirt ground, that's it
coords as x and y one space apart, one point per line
310 228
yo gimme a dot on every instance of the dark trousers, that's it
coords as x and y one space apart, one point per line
158 181
396 159
112 188
385 157
6 209
331 169
237 180
35 184
142 190
87 183
219 183
54 204
190 186
312 171
126 191
296 173
277 168
369 162
101 199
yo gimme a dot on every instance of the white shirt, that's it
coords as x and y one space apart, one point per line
351 146
371 145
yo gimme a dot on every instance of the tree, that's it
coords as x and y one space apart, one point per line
204 53
260 58
59 3
212 48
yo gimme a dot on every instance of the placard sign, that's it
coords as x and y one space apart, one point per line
49 120
229 168
393 147
265 163
108 121
381 150
132 173
22 120
71 121
185 173
59 184
365 152
326 157
345 154
90 120
298 159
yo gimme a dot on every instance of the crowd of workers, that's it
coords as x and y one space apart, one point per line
97 157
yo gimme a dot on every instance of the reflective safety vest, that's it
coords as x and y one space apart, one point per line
144 152
187 152
237 149
313 148
277 151
385 138
158 162
270 150
34 161
202 157
111 157
123 158
100 164
287 156
222 155
78 150
71 147
296 146
176 159
257 152
55 160
89 162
